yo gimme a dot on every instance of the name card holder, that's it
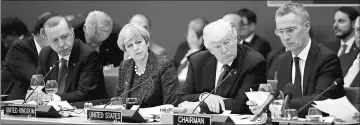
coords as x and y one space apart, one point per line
40 110
182 119
215 119
20 110
114 115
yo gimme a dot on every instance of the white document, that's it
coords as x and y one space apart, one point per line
244 119
259 97
340 108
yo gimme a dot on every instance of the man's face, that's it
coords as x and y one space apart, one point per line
357 32
224 49
246 28
292 31
61 38
342 25
142 21
96 34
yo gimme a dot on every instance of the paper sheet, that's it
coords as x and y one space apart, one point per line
244 119
259 97
340 108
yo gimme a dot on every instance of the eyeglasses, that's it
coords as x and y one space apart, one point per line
288 31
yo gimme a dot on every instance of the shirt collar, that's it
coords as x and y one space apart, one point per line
219 65
38 48
249 38
349 43
65 57
304 53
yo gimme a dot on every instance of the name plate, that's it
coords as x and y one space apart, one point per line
104 115
26 110
191 120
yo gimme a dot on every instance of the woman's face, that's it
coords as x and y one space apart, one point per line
137 47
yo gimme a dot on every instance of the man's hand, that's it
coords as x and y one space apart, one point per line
252 106
215 102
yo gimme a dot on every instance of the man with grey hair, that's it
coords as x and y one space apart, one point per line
75 65
144 21
100 32
350 62
227 68
310 66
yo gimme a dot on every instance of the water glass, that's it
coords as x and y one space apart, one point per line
118 102
314 114
275 109
87 105
290 112
51 88
130 102
36 80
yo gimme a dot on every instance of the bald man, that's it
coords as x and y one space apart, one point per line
144 21
100 33
209 68
350 62
244 22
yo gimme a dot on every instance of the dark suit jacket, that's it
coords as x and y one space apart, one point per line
110 53
335 46
21 63
346 62
85 79
164 86
322 68
181 51
259 44
272 61
250 68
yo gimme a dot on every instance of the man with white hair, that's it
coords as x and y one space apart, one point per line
211 68
350 63
100 33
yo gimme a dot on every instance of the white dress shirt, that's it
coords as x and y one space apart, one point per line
303 56
219 70
353 71
66 58
248 39
349 44
38 48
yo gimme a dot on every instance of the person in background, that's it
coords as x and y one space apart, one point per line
193 44
344 20
12 29
350 63
100 32
247 33
22 61
154 75
212 67
310 66
144 21
77 67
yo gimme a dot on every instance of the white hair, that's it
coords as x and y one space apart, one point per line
99 18
216 30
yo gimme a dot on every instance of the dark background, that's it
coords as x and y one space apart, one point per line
170 18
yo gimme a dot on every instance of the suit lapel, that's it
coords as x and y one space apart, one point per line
52 59
231 80
284 69
353 48
309 65
347 61
356 81
209 73
33 49
74 57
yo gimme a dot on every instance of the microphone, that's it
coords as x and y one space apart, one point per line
127 92
54 65
327 89
265 105
287 90
231 72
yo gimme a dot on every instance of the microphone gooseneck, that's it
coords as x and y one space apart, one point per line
265 105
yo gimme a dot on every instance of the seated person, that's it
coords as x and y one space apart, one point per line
209 68
76 66
152 77
193 44
310 66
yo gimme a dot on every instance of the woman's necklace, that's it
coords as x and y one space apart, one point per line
139 73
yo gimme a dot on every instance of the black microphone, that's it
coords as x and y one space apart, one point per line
272 96
54 65
287 90
327 89
232 71
127 92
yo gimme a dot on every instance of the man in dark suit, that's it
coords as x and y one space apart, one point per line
350 63
100 33
244 21
208 69
344 20
310 66
75 65
22 61
272 62
193 44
